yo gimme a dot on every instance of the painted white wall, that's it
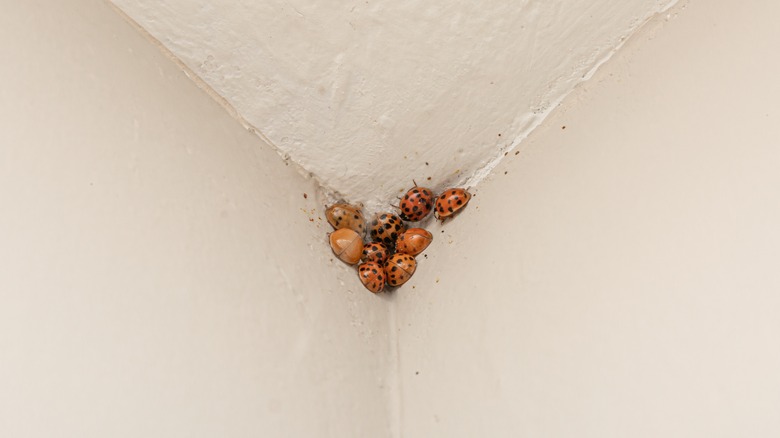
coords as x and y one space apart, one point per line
368 95
618 277
159 273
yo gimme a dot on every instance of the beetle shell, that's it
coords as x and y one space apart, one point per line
346 216
347 245
386 227
450 201
372 275
416 204
399 268
375 252
413 241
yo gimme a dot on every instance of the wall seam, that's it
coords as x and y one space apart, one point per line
394 402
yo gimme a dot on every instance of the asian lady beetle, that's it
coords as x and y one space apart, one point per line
413 241
450 201
416 204
386 227
375 252
347 245
399 268
346 216
372 275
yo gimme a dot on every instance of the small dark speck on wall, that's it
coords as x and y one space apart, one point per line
305 196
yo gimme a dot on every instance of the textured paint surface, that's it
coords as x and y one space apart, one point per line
162 274
370 95
619 277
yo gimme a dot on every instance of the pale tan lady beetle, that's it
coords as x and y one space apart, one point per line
346 216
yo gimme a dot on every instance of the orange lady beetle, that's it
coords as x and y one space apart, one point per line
416 204
375 252
450 201
372 275
413 241
386 227
347 245
399 268
346 216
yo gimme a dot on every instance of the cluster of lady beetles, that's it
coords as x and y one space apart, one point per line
388 259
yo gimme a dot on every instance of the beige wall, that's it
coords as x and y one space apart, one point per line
619 277
158 275
161 273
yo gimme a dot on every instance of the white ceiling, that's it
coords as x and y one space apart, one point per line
368 95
